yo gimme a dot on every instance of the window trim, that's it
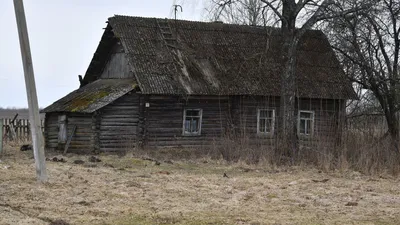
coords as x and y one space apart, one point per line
273 122
312 122
184 133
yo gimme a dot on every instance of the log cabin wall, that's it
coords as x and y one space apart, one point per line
163 125
117 65
222 115
82 141
327 125
328 121
244 111
118 124
136 120
51 130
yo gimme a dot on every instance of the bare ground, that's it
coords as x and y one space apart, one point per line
128 190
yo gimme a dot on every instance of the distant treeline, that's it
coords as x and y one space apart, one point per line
6 113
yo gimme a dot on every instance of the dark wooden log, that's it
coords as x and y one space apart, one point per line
119 123
69 140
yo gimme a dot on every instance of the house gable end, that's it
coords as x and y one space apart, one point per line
117 66
110 60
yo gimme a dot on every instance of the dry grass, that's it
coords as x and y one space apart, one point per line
129 190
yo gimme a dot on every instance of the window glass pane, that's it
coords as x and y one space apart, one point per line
187 125
190 125
270 113
305 126
305 115
308 126
192 113
192 121
306 122
263 113
265 122
266 113
194 125
265 125
262 125
302 127
269 125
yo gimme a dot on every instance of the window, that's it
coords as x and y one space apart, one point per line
306 122
265 121
192 121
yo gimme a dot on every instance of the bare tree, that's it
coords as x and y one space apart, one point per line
246 12
370 41
295 18
288 12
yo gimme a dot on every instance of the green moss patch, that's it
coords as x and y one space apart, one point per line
82 103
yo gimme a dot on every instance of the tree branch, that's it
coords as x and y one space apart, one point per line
269 4
381 44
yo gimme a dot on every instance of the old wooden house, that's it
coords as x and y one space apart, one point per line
159 82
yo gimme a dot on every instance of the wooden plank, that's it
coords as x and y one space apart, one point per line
20 127
11 131
69 140
118 122
117 66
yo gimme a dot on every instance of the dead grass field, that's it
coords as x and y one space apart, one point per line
128 190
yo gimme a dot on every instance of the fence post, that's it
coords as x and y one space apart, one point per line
1 136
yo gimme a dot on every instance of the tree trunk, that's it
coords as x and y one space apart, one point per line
393 128
389 109
287 137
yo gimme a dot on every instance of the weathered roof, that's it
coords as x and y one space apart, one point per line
92 96
219 59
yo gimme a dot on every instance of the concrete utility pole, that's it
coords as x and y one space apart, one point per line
1 137
36 131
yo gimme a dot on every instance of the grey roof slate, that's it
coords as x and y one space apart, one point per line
92 96
219 59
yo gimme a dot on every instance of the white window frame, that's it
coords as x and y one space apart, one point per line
312 122
272 124
185 133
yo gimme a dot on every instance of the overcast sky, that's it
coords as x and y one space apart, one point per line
64 35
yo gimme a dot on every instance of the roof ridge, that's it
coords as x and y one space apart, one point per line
202 22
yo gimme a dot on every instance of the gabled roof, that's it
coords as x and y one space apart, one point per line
219 59
92 96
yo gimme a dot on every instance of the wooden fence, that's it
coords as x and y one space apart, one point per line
20 127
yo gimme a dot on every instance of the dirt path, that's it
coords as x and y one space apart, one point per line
134 191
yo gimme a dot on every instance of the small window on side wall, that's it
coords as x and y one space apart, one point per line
192 122
265 121
305 123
